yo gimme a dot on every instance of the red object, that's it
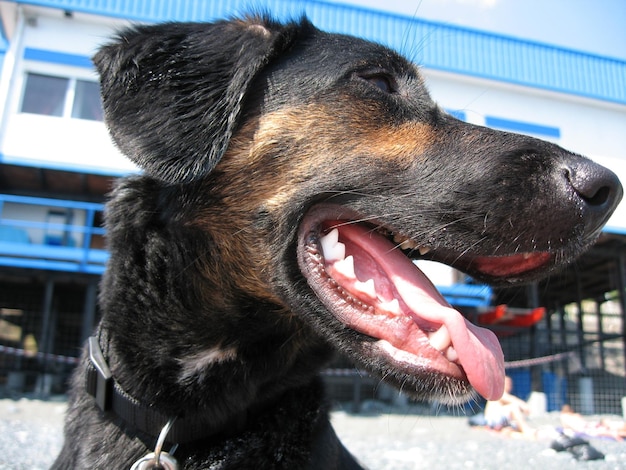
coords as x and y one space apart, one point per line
493 316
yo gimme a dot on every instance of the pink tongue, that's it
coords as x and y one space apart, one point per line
478 349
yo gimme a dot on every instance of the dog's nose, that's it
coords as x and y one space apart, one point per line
598 189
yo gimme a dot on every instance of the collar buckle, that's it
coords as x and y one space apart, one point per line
100 385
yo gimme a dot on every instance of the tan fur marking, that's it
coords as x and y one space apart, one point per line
337 136
272 155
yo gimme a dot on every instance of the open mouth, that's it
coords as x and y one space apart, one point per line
364 276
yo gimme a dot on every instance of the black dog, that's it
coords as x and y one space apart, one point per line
284 168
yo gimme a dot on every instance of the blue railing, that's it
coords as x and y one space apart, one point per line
51 234
467 295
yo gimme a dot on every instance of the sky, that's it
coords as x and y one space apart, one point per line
595 26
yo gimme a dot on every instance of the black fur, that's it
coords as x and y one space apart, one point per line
178 66
251 133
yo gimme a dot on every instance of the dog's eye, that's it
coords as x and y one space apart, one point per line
382 82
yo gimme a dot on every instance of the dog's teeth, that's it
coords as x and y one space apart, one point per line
346 267
331 237
404 243
423 250
408 245
366 287
440 339
393 307
451 354
331 248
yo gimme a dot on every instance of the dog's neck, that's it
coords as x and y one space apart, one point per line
138 416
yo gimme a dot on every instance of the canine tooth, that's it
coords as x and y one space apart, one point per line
393 306
440 339
346 267
332 249
423 250
366 287
331 237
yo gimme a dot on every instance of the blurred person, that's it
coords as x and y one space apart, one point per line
508 411
570 420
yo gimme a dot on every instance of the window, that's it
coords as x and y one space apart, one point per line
44 95
87 104
62 97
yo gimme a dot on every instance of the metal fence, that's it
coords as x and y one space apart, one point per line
43 323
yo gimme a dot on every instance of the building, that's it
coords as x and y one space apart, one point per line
57 163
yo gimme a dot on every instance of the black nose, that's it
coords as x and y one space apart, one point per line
597 187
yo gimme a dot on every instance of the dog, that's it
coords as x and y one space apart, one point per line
289 178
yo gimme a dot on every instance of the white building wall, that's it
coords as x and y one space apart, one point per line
78 34
58 142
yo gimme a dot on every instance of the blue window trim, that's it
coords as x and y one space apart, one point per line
614 229
457 114
60 58
523 127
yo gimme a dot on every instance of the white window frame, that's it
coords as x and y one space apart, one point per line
72 74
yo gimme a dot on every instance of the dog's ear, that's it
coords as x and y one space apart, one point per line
173 93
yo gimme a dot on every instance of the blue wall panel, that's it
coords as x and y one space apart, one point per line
55 57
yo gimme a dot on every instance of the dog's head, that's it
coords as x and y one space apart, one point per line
318 166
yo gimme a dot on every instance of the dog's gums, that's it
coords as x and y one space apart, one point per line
512 265
374 289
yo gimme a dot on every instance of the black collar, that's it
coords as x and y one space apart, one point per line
110 397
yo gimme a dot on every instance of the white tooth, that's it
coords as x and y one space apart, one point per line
451 354
346 267
393 306
423 250
440 339
366 287
332 249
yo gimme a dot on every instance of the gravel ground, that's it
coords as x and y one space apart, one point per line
30 433
31 436
405 441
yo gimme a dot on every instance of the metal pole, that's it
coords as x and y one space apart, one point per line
46 335
532 295
89 310
600 333
621 279
580 327
564 337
